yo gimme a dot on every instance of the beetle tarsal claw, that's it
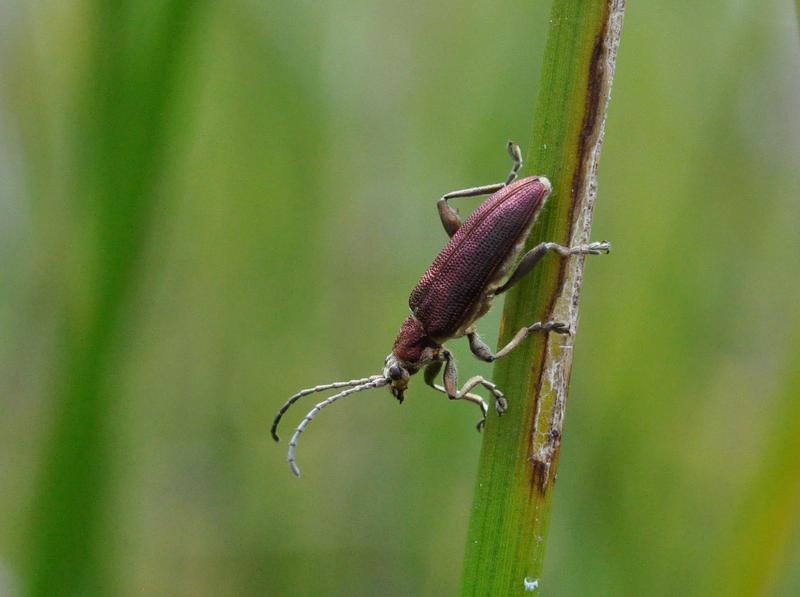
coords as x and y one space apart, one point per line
597 248
560 327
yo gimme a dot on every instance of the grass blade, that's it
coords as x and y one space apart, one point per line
519 459
119 145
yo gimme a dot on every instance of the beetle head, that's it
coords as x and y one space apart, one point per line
397 373
413 348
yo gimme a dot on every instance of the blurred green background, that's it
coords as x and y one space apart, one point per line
206 206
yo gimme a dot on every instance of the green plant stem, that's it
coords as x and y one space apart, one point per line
519 459
131 83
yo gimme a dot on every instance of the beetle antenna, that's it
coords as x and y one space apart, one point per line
307 391
377 382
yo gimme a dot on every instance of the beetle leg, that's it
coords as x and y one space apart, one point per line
451 385
484 353
449 215
516 156
470 398
432 370
532 257
479 348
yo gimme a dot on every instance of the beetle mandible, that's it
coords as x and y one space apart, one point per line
456 291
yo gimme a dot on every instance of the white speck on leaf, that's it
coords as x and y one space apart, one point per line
531 585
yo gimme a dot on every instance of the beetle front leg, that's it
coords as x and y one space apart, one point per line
451 385
449 215
432 370
532 257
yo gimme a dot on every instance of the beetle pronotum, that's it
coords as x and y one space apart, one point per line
456 291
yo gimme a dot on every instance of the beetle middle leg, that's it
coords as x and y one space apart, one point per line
526 264
449 215
484 353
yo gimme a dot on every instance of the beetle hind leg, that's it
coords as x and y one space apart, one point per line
449 215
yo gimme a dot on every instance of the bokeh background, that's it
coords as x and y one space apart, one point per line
206 206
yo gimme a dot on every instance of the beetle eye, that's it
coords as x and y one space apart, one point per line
395 372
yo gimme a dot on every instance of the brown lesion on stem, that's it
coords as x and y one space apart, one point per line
596 92
556 361
544 469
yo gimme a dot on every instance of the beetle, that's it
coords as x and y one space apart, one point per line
457 290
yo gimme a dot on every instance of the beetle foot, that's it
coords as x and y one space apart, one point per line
481 424
598 248
559 327
500 403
